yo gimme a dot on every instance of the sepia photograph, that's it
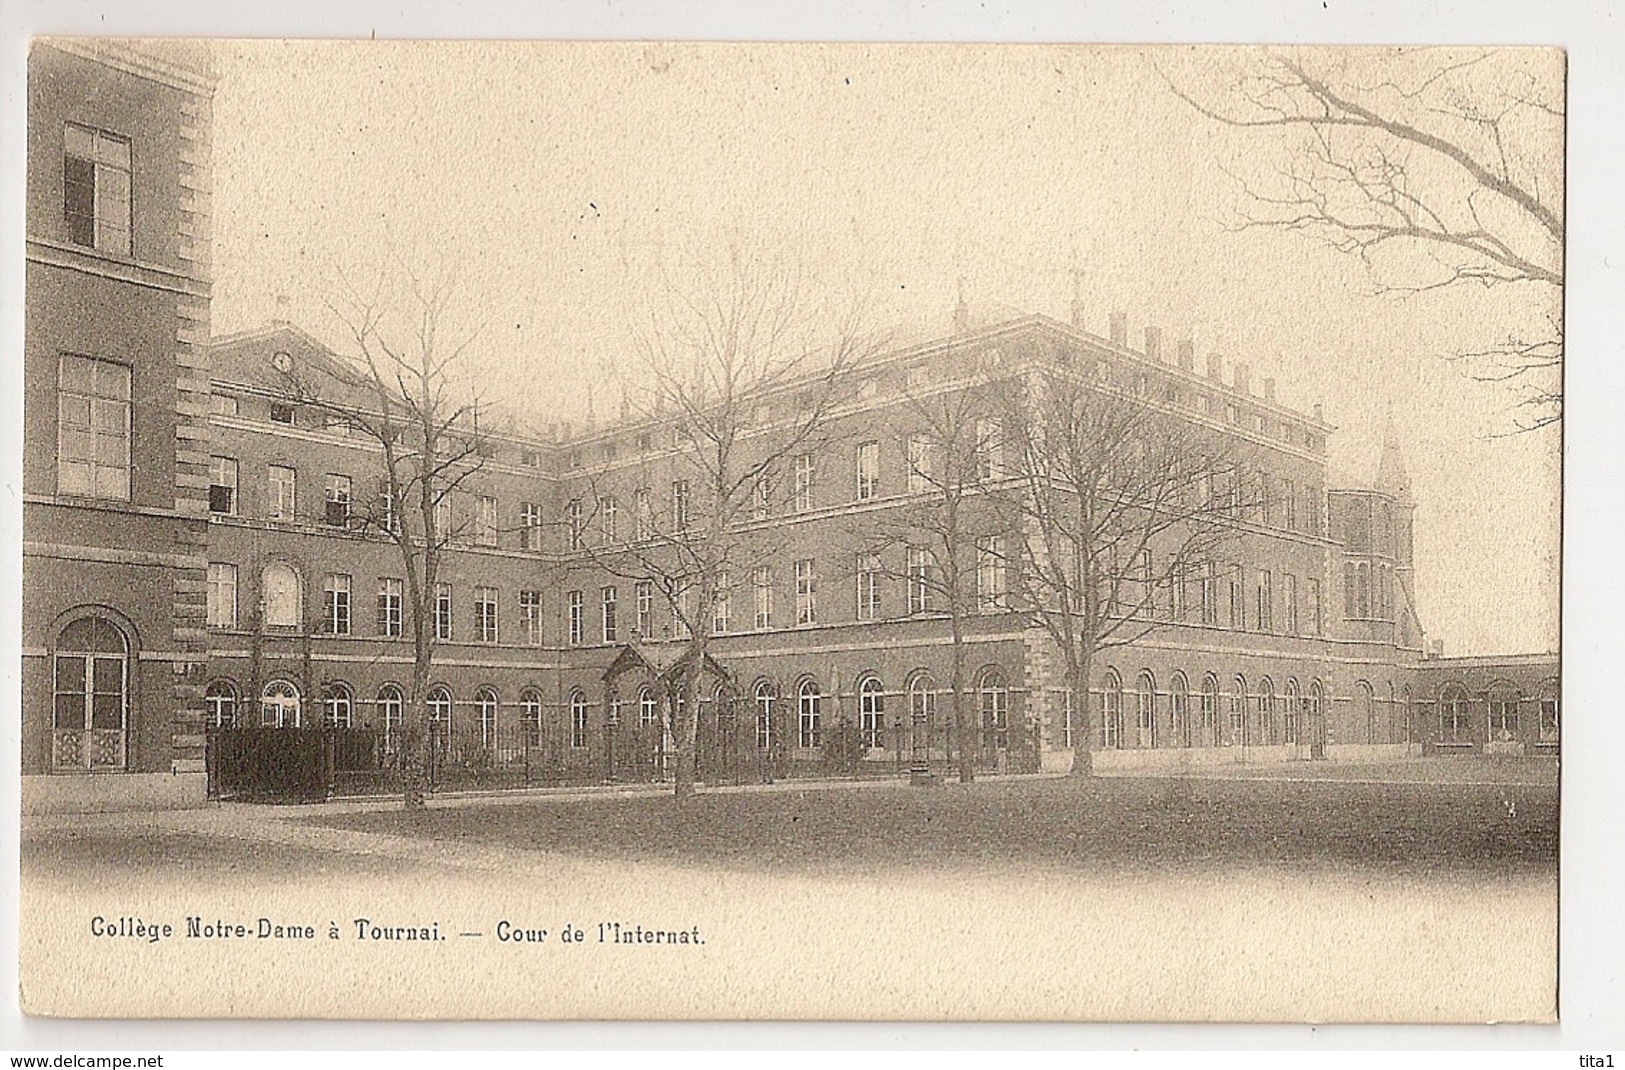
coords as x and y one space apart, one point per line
904 532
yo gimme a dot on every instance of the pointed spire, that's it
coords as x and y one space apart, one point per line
1391 475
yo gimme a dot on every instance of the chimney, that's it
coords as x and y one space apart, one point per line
1241 377
1319 419
1269 390
1215 367
1187 354
1153 342
1119 328
1436 648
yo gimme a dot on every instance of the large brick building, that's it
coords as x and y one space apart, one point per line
193 553
1302 642
115 462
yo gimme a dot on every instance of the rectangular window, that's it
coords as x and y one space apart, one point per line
1289 583
804 472
485 614
444 523
643 595
572 513
679 505
762 499
442 611
868 471
336 495
1266 498
336 603
530 617
868 571
1210 593
577 618
1178 596
96 189
281 497
1289 504
989 450
281 413
919 580
721 609
222 405
485 532
921 467
222 595
806 592
643 513
93 447
390 599
388 518
1238 598
808 726
762 588
682 611
607 599
1317 615
990 586
223 485
1265 616
530 526
530 458
606 518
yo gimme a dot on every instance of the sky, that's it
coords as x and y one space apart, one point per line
563 183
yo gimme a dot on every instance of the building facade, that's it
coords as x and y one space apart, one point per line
1303 642
115 406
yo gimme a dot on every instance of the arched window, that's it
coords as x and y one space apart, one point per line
530 715
282 595
809 701
922 713
1365 710
1316 728
764 715
1111 712
391 706
1292 716
1503 715
439 703
485 705
335 706
221 699
279 705
1455 720
995 701
1210 709
91 702
1179 709
1549 728
1266 711
1238 712
648 712
1145 710
872 712
578 719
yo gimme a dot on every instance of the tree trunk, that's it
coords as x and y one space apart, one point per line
415 738
686 736
1083 734
962 731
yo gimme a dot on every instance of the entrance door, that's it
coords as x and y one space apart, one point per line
89 722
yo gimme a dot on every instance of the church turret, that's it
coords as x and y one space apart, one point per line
1392 478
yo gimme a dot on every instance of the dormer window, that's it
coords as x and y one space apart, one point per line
281 414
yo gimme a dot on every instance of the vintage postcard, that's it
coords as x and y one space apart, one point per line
659 530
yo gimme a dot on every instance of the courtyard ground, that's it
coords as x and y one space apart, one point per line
1396 893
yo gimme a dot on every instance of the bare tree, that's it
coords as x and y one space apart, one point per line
1445 171
948 444
738 375
412 401
1122 501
